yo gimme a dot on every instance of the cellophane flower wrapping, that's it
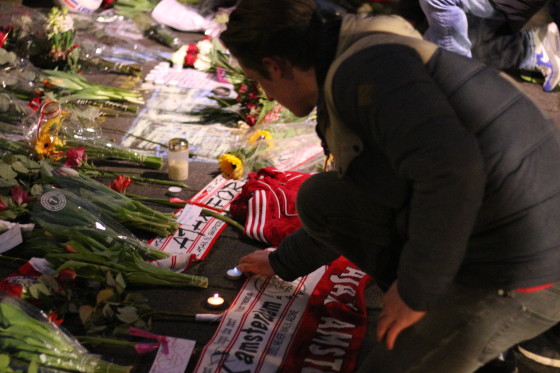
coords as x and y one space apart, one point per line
63 213
286 146
28 337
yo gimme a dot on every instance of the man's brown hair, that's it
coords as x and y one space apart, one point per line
284 29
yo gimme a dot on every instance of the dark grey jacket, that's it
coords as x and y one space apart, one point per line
471 161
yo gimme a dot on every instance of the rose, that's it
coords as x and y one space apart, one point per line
19 195
75 157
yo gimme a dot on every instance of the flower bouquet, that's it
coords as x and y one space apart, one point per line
53 131
131 214
80 89
63 213
28 336
286 146
250 104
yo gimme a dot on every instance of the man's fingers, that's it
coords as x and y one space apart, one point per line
383 325
392 335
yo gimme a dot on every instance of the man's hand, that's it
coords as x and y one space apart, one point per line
395 317
256 263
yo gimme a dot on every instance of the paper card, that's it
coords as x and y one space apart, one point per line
177 357
10 239
189 215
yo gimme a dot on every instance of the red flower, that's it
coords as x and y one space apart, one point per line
121 183
3 206
53 317
250 120
191 55
19 195
4 32
107 3
35 104
75 157
67 276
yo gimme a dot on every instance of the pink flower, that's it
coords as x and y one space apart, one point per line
3 206
121 183
19 195
75 157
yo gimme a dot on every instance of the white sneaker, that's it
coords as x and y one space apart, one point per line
547 40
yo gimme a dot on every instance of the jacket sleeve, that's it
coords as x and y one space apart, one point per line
298 255
387 96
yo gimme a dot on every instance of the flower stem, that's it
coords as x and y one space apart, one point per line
224 218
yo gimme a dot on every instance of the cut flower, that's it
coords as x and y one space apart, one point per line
231 166
121 183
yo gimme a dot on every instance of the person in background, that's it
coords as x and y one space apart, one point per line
446 189
493 31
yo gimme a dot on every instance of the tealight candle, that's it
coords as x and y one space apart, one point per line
234 274
174 191
215 301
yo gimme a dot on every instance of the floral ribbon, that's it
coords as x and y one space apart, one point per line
142 348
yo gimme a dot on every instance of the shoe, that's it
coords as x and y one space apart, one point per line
544 349
505 363
547 40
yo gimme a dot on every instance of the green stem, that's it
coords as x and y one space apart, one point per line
224 218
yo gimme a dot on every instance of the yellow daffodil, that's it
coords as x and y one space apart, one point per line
259 135
231 166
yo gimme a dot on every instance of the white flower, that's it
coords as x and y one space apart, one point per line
204 47
202 63
178 58
58 22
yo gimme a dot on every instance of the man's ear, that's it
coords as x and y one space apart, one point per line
275 67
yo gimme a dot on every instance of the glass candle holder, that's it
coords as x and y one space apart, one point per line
178 159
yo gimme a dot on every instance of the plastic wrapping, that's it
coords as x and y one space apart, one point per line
29 339
286 146
63 213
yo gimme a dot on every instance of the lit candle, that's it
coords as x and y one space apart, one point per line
215 301
234 273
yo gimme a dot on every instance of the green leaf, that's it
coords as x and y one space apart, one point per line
7 172
8 183
4 361
8 215
28 162
20 168
46 169
49 281
37 289
127 314
108 311
36 190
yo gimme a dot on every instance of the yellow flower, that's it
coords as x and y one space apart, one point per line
259 135
44 146
231 166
